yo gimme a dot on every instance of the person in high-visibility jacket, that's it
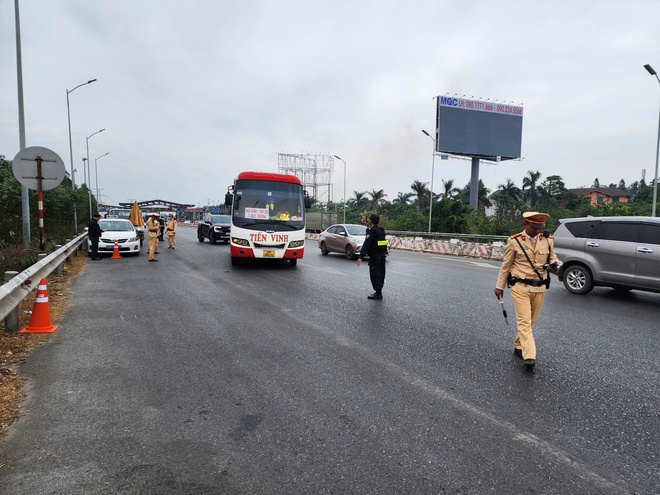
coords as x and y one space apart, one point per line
153 226
170 232
375 247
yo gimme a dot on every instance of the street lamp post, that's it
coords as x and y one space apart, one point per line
96 174
344 201
89 172
657 149
73 177
89 194
432 171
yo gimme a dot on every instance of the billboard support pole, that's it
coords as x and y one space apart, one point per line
474 184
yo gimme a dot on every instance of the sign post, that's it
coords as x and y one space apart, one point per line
40 169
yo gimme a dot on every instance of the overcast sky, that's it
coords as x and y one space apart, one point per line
192 92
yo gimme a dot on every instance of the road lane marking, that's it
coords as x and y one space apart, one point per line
469 262
517 434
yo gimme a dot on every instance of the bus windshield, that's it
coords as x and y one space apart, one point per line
268 205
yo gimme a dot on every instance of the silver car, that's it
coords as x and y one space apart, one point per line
345 238
618 252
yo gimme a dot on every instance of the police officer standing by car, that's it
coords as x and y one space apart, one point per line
375 246
528 258
94 232
153 226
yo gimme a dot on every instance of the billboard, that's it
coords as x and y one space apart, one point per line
476 128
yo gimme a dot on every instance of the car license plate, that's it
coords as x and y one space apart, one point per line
269 254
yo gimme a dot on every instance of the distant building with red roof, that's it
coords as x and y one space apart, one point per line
600 195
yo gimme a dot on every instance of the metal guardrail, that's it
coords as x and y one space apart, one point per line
15 290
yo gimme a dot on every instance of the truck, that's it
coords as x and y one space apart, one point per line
317 221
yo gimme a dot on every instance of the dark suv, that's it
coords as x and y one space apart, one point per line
214 228
618 252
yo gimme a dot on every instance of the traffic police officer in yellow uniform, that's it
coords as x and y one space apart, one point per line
170 232
528 258
153 226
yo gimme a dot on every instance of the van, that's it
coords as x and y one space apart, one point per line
618 252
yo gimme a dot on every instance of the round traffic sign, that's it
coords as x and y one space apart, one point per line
26 166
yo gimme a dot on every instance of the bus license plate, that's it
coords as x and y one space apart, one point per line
269 254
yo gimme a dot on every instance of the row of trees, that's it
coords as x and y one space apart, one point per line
58 210
499 213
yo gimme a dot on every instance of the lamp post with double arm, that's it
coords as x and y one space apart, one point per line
344 200
89 173
96 174
657 149
73 171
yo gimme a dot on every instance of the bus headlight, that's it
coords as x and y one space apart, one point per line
296 244
240 242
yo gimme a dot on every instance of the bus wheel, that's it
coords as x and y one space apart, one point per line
293 262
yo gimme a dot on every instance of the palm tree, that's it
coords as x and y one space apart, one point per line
448 187
482 196
359 200
508 203
530 187
377 198
510 190
403 198
422 193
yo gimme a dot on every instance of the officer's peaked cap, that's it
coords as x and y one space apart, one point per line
535 217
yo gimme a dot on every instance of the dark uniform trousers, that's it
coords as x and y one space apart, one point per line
377 271
94 241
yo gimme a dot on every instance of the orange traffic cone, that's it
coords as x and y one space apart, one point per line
115 252
40 319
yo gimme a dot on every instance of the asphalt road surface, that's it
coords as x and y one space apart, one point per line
191 376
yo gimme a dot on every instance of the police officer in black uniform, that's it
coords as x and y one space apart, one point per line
94 233
375 246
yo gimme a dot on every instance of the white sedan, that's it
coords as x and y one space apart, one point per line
120 230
